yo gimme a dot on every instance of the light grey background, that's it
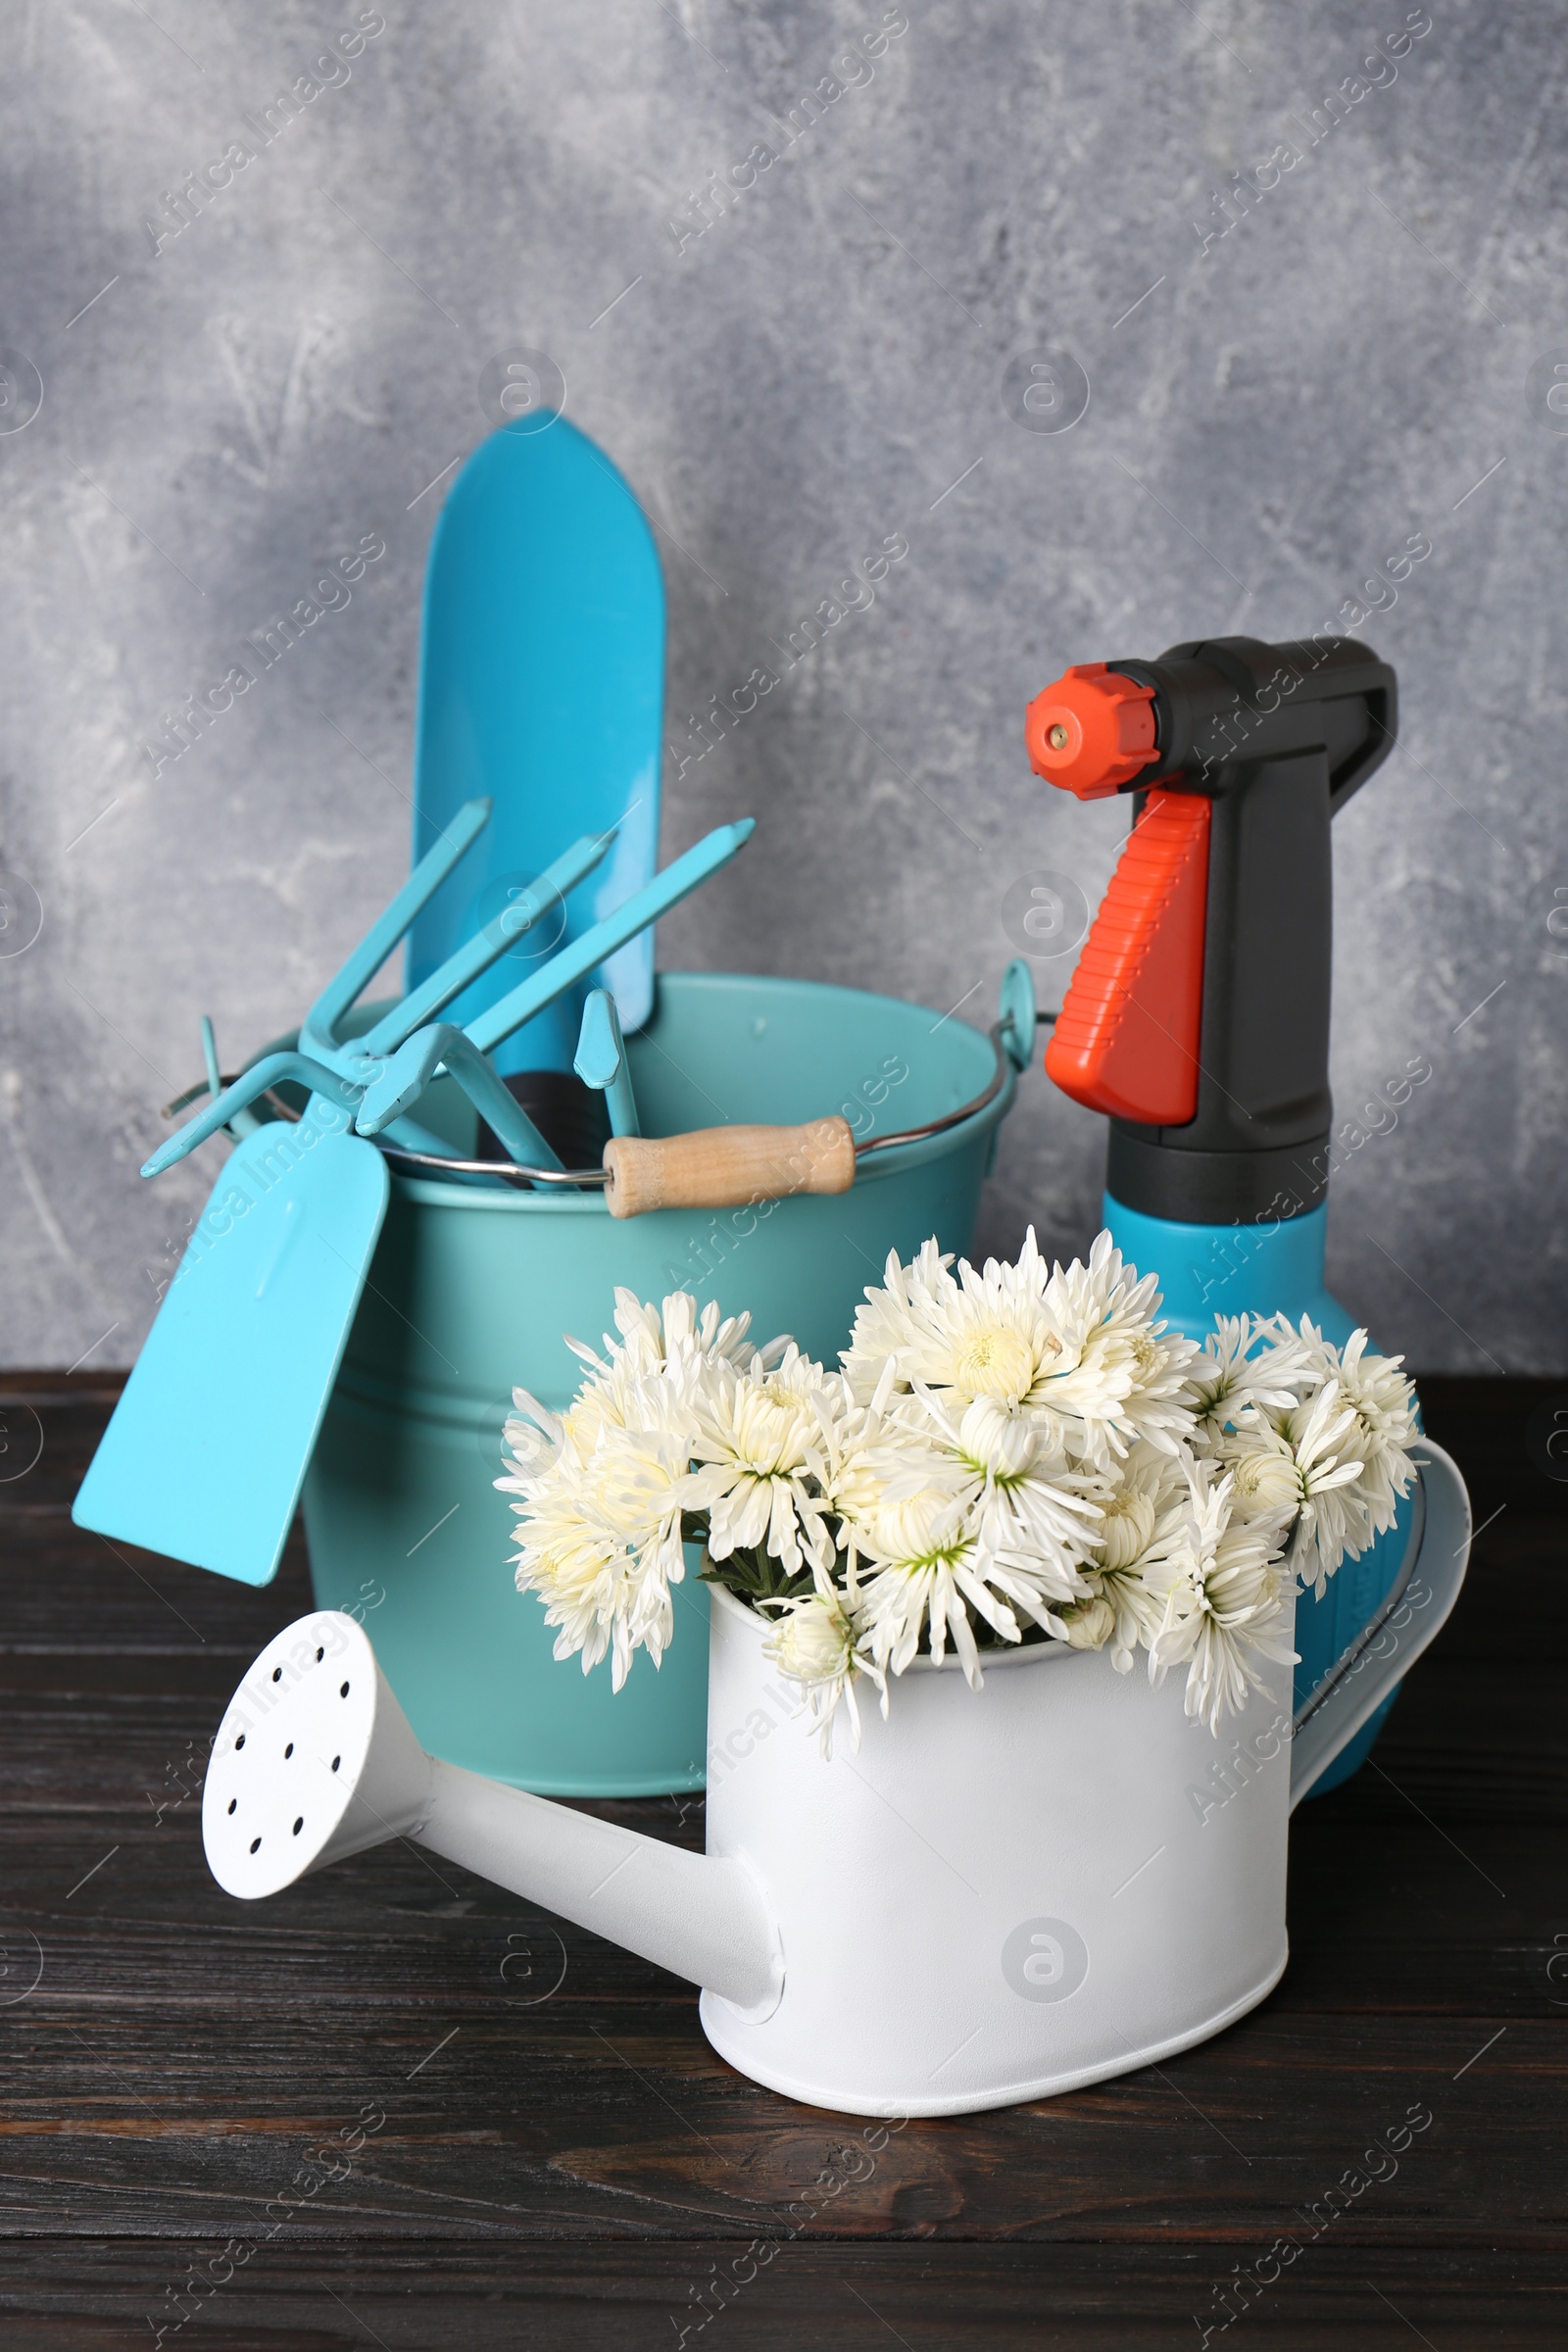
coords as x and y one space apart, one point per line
1275 416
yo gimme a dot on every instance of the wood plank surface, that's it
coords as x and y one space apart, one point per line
532 2142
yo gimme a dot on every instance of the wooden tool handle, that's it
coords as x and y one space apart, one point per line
725 1168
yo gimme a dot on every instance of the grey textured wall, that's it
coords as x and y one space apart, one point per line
1361 361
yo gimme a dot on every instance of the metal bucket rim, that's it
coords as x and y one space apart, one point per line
892 1159
887 1157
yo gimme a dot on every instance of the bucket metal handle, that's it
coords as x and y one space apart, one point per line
787 1147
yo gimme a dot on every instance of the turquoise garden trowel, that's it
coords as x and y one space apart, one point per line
211 1440
541 682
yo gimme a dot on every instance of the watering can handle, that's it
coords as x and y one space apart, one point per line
1417 1609
728 1167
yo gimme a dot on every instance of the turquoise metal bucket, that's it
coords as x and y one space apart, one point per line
473 1287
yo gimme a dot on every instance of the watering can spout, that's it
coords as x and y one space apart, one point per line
315 1762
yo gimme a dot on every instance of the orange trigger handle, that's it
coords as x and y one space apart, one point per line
1126 1041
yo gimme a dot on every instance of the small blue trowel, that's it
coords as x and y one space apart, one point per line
541 682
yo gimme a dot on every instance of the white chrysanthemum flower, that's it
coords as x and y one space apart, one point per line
598 1531
1333 1518
1383 1401
1126 1526
674 1337
1248 1368
1031 1508
921 1558
1265 1479
980 1335
1223 1602
877 1454
1141 1516
1074 1351
885 1325
761 1451
816 1644
599 1490
1154 1409
1126 1374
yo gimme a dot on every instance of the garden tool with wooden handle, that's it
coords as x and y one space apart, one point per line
736 1166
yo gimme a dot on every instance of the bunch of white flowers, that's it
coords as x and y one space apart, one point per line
603 1487
1312 1437
1023 1454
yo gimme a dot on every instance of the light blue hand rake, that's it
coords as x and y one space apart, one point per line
208 1448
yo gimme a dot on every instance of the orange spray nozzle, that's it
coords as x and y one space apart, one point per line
1091 732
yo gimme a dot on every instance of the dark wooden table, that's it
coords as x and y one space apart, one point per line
536 2145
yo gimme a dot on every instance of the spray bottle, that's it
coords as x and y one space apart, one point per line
1197 1017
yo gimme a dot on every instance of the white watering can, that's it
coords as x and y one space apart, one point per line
1004 1894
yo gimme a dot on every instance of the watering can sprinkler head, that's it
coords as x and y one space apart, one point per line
315 1762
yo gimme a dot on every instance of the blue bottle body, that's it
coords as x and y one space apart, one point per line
1272 1268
